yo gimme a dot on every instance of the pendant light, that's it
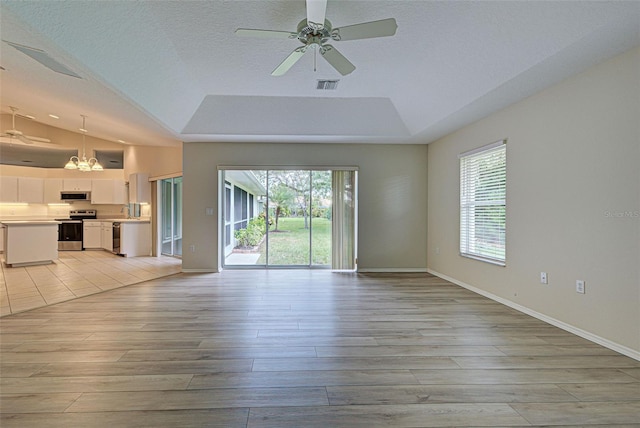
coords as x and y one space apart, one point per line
83 164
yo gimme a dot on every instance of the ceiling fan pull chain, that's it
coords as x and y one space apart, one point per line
315 59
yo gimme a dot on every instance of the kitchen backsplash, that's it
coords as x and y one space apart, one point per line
44 211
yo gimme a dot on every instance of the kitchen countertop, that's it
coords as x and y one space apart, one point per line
28 222
122 220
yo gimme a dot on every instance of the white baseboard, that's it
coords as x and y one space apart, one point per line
632 353
392 270
199 270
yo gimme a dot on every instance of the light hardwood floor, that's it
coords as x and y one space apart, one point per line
303 349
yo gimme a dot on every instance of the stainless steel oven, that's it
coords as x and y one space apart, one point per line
70 235
70 229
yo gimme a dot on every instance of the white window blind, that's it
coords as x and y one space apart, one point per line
483 185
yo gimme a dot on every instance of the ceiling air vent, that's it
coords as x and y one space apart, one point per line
43 58
327 85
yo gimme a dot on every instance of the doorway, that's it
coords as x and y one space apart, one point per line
286 218
171 216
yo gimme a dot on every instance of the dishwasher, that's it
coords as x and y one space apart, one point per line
116 237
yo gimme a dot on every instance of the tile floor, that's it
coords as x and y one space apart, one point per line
76 274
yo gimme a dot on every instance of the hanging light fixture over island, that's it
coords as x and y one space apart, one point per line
83 164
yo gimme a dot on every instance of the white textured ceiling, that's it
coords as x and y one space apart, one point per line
160 72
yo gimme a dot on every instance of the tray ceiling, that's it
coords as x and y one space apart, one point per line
163 72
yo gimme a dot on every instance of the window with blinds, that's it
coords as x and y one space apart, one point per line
483 186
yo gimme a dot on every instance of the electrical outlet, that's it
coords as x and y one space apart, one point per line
580 286
192 248
437 250
543 278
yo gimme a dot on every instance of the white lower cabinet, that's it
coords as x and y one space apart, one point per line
91 234
135 239
107 235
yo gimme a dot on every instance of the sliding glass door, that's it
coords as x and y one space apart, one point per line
171 216
289 197
286 218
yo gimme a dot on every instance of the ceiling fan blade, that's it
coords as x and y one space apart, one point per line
24 139
366 30
38 139
337 60
13 133
316 11
289 61
265 34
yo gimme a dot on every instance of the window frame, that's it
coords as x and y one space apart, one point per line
491 198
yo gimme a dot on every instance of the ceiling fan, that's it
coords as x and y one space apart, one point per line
315 31
14 133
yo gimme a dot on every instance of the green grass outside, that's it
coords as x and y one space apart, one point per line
290 244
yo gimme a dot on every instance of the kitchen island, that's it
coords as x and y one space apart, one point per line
30 242
127 237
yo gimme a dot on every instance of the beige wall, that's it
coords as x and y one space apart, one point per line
156 161
573 203
392 196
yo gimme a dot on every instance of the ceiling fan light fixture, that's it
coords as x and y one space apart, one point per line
315 31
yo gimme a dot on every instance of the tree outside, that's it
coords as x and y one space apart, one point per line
299 212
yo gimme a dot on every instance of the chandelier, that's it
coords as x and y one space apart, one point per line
83 164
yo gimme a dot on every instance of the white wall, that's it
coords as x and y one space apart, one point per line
392 196
573 203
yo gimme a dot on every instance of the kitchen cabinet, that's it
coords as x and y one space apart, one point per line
19 249
52 189
106 231
92 234
139 189
108 192
135 238
76 184
22 189
30 190
8 189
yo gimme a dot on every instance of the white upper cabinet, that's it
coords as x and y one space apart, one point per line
108 192
52 189
22 189
8 189
31 190
101 191
120 196
139 188
76 184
